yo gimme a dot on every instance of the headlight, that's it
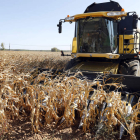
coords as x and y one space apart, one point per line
110 56
115 13
69 18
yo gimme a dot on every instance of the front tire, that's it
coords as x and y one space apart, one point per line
130 67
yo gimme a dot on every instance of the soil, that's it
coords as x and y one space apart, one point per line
21 129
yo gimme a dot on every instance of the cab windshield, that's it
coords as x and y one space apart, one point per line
96 35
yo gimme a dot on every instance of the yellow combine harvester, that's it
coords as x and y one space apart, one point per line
106 39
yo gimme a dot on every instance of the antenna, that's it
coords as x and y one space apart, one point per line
70 47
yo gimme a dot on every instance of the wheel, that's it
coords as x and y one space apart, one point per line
130 67
71 64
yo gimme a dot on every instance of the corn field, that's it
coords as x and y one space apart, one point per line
64 100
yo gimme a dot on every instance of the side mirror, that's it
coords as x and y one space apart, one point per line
135 21
59 27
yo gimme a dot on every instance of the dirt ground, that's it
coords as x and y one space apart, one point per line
21 130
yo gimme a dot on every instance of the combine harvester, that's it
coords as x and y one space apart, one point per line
106 39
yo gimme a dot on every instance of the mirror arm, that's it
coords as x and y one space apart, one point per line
60 25
62 20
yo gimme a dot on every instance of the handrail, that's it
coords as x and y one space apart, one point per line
135 41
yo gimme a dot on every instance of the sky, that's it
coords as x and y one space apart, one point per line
32 24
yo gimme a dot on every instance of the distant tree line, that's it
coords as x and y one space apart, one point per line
55 50
2 46
52 49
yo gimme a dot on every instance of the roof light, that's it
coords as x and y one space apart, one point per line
115 13
122 9
69 18
68 15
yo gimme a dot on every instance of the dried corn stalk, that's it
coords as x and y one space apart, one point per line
58 99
